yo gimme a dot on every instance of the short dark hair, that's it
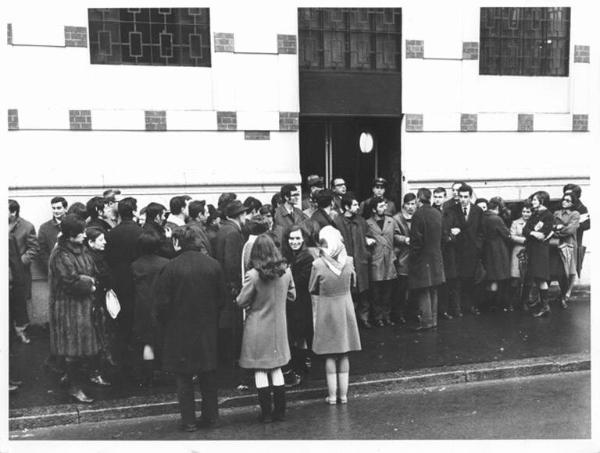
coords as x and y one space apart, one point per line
153 210
347 200
374 202
482 200
126 207
574 188
14 207
257 225
59 200
92 233
466 188
408 197
542 196
574 198
424 195
276 200
527 204
148 242
78 209
253 204
196 207
72 225
462 183
213 213
493 204
286 190
440 190
189 238
224 199
176 204
95 206
266 209
324 198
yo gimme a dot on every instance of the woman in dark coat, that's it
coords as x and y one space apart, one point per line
103 323
299 314
145 271
267 288
495 256
537 231
72 288
190 292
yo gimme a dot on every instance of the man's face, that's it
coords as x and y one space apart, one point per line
378 190
112 207
411 206
242 217
58 210
353 208
381 207
339 186
160 219
294 198
315 189
464 198
108 211
295 240
438 198
186 208
482 205
455 188
526 213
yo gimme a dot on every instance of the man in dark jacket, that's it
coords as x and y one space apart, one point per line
378 188
197 214
155 219
469 242
49 230
99 210
121 250
323 215
447 296
354 230
425 265
288 213
190 293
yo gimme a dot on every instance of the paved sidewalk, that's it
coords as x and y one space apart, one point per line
491 337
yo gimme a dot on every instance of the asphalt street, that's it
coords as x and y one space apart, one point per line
539 407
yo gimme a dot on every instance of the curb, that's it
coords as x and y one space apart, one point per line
67 414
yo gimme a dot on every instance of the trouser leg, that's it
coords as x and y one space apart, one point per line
400 298
185 396
378 290
442 298
208 387
453 290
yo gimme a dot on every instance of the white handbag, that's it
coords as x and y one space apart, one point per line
112 304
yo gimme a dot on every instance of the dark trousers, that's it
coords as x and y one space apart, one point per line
382 299
362 304
466 291
17 304
400 298
426 301
185 395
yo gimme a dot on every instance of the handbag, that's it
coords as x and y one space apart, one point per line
112 304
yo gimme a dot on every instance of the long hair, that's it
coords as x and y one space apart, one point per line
266 258
286 250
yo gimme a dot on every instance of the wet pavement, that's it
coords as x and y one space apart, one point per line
489 337
538 407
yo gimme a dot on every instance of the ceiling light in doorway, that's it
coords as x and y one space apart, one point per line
365 142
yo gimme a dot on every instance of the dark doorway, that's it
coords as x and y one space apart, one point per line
330 147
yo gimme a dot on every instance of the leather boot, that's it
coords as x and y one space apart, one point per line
264 400
279 403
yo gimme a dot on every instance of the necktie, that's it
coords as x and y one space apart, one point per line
465 212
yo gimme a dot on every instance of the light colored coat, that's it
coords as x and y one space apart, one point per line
382 253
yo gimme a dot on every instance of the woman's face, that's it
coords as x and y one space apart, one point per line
526 213
535 202
567 202
295 240
99 243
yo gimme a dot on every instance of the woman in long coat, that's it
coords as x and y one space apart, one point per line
72 286
517 261
267 289
335 328
537 231
299 314
566 224
495 256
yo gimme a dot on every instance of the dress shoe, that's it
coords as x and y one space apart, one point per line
99 380
508 309
545 310
474 311
379 323
446 315
78 395
389 322
365 324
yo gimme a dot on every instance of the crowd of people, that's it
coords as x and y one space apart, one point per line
282 282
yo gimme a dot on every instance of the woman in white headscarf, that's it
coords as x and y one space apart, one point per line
335 327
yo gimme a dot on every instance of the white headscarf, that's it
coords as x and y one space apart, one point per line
332 248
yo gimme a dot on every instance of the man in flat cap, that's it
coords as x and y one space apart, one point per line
378 188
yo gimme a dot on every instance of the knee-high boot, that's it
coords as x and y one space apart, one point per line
278 402
265 402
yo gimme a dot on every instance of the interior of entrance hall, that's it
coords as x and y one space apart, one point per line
350 83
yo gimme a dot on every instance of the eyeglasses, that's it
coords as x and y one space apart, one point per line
340 184
294 195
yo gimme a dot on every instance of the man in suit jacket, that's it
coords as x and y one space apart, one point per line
48 232
425 264
190 293
288 213
323 215
469 242
122 250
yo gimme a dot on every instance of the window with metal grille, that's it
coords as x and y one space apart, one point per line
350 39
150 36
524 41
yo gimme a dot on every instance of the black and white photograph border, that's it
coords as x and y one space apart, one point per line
186 107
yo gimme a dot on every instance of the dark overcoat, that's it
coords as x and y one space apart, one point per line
425 264
100 224
469 241
72 275
47 236
28 246
190 292
321 219
354 232
538 252
382 255
229 244
145 272
205 245
496 240
449 221
299 313
122 250
401 248
166 244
